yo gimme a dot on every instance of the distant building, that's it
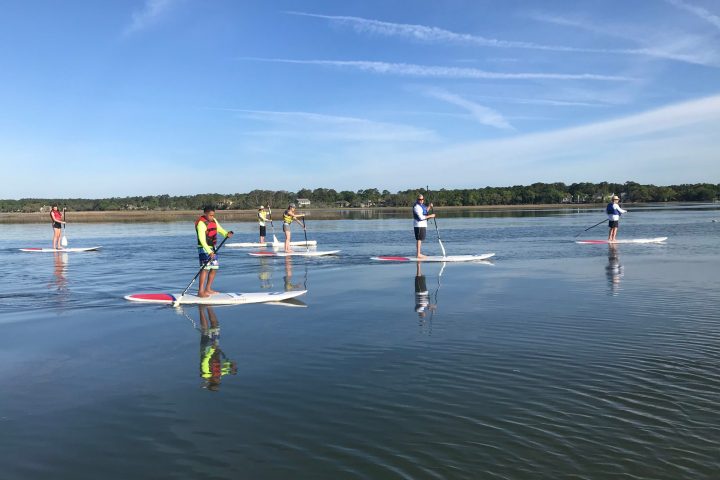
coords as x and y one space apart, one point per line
342 204
302 202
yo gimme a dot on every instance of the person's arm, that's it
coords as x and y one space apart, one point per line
222 231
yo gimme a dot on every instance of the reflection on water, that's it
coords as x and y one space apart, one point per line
59 272
422 295
614 270
289 285
265 273
214 364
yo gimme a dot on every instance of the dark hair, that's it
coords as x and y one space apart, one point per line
208 209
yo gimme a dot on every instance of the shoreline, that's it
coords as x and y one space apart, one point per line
163 216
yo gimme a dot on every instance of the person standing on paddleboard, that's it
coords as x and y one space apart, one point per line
420 218
288 216
262 218
614 211
207 228
56 218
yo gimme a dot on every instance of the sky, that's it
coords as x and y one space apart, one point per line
147 97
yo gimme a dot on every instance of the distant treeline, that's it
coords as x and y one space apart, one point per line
537 193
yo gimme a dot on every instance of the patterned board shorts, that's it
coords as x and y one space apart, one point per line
204 257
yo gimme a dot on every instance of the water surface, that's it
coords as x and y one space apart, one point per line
556 360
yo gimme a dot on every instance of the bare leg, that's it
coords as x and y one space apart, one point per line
211 278
202 289
613 233
419 247
287 241
56 238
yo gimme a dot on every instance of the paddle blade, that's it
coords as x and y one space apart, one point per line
63 241
275 240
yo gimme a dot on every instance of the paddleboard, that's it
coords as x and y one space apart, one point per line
624 240
436 258
309 243
217 299
299 253
62 250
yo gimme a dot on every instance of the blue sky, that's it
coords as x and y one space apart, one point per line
147 97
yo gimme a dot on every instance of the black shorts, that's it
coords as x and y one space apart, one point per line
420 233
613 223
262 230
57 225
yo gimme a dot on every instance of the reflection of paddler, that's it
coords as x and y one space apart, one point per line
422 296
265 273
288 276
213 362
61 260
614 269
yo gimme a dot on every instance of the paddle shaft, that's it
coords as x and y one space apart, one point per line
177 302
63 240
307 247
601 221
427 188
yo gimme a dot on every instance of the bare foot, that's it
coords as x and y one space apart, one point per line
421 256
203 294
212 292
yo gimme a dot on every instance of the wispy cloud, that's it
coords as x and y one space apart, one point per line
320 127
697 11
412 70
675 139
151 13
484 115
438 35
687 48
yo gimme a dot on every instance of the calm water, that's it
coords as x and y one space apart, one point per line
555 361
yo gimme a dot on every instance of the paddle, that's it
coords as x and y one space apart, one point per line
601 221
307 247
275 240
64 241
436 228
177 302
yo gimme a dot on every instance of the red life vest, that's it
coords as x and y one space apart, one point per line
211 232
56 215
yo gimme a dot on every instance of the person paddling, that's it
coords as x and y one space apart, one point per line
207 228
420 217
56 217
614 211
262 218
288 216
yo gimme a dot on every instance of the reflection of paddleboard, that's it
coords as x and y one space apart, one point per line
437 258
63 250
217 299
302 243
299 253
629 240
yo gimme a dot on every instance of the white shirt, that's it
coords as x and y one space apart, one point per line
419 214
618 211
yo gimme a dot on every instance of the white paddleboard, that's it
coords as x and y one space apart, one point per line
63 250
436 258
217 299
309 243
298 253
624 240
